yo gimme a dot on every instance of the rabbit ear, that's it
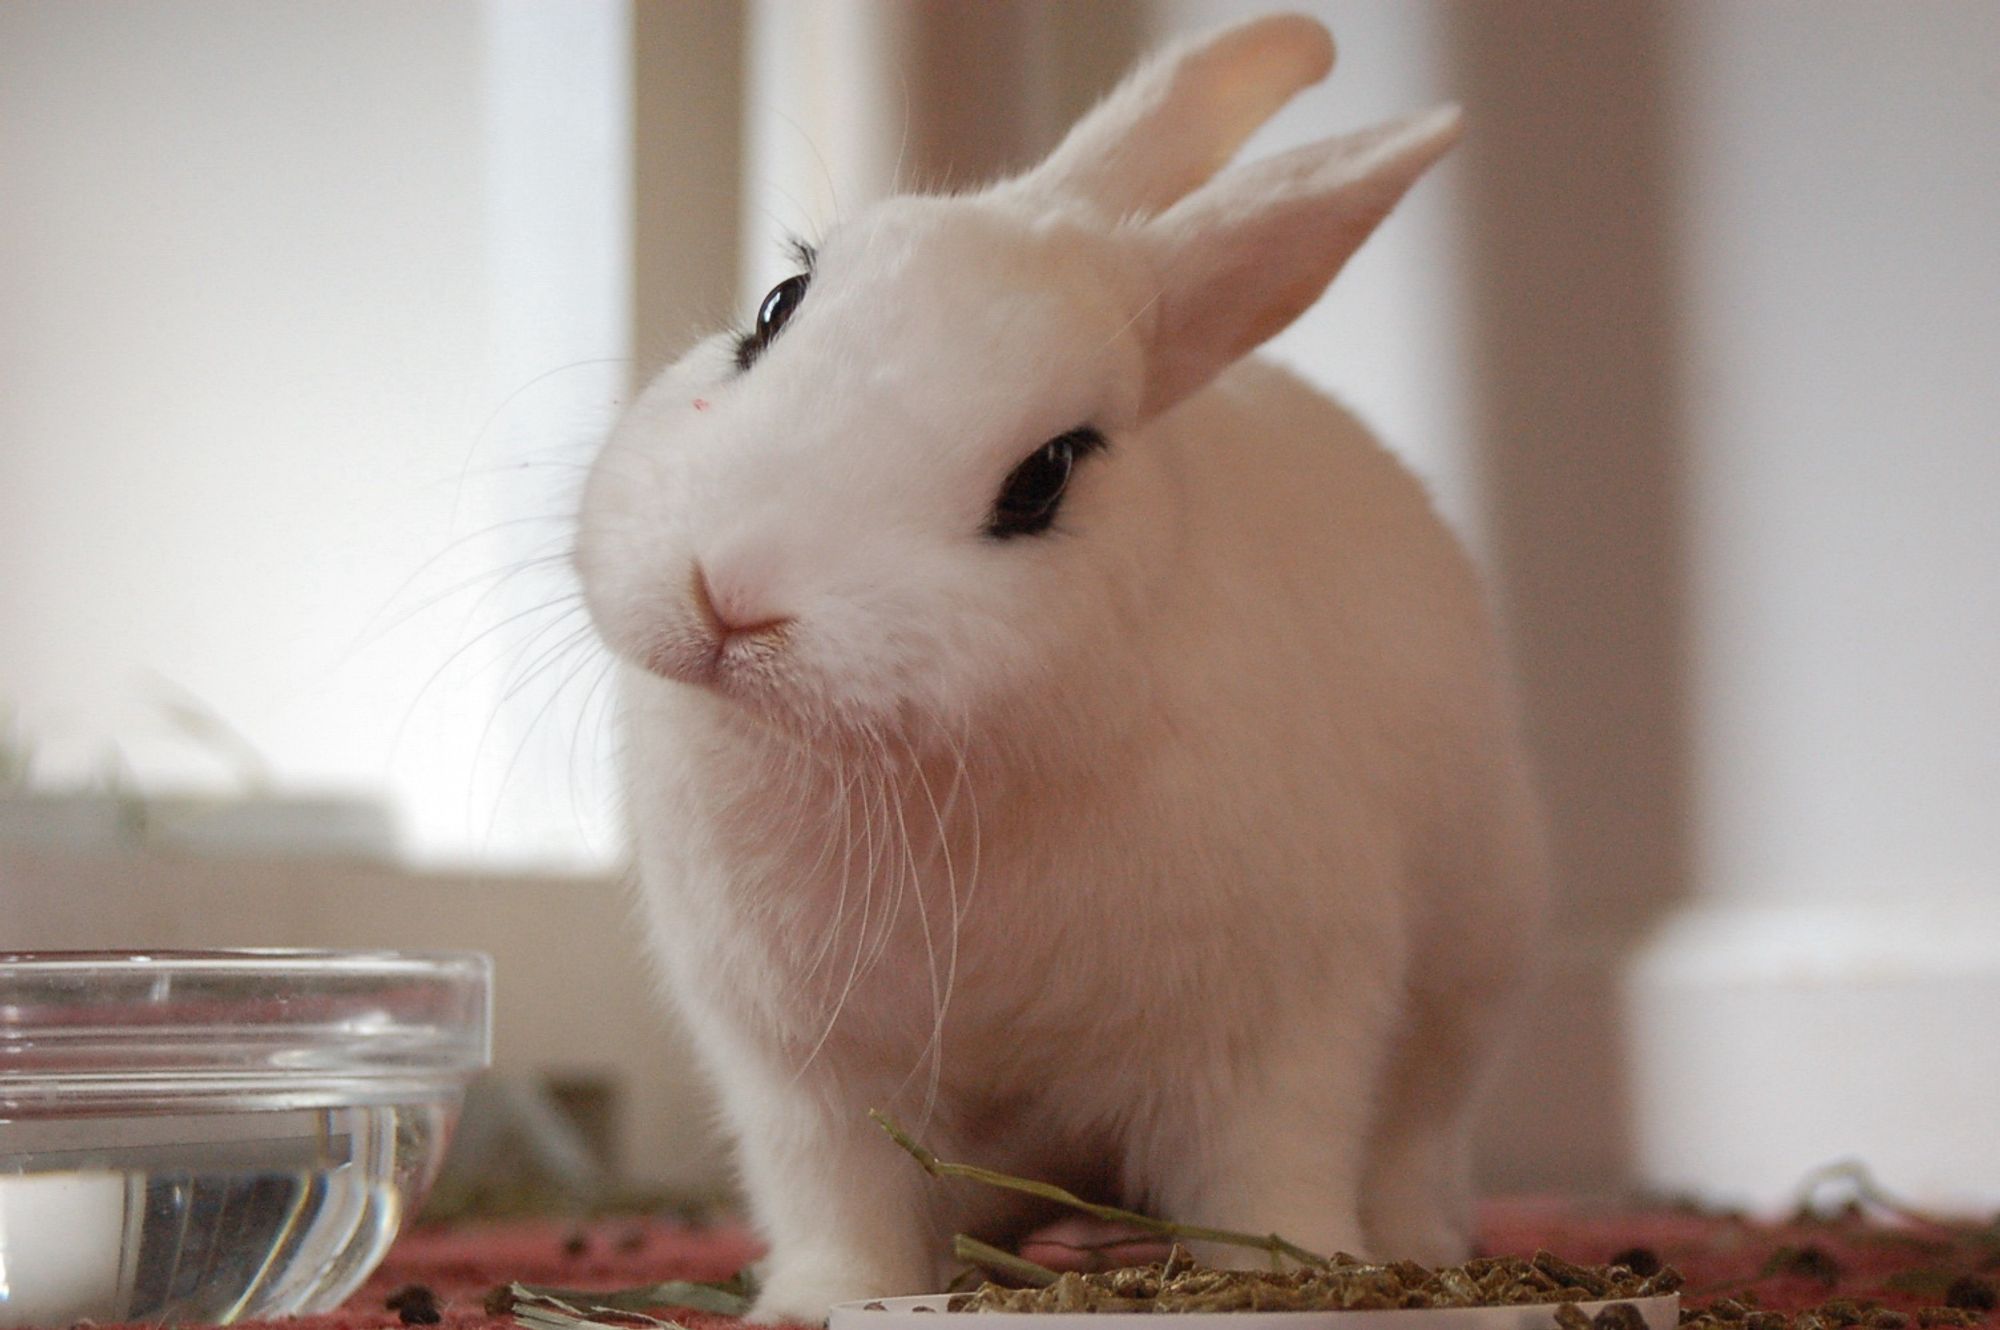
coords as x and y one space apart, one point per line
1179 118
1242 257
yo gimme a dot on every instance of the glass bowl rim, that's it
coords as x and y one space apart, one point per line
332 960
103 1027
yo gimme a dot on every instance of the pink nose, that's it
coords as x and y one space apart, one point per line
729 619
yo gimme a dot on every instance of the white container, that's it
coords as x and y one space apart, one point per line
922 1313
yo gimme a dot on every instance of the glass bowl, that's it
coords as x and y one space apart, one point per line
204 1136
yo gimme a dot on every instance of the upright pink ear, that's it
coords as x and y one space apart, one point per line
1242 257
1178 118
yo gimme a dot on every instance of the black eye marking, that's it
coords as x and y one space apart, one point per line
1034 490
777 307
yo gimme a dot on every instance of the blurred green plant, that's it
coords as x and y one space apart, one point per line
183 714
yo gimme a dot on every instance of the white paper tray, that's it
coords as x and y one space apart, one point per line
922 1313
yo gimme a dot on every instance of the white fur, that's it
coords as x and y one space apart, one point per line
1182 853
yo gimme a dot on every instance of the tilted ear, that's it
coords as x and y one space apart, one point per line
1247 254
1178 118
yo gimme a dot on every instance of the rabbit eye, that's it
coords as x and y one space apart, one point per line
1034 490
773 313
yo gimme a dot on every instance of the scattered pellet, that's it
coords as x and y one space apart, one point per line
1973 1293
414 1304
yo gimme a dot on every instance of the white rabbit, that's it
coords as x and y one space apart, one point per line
1059 731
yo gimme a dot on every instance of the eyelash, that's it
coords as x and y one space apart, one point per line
752 342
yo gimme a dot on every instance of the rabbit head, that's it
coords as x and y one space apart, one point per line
928 479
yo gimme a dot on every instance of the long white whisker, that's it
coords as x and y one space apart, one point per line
958 747
914 884
567 603
855 966
607 666
486 426
892 908
934 1049
844 807
374 629
582 637
497 576
839 792
803 785
535 668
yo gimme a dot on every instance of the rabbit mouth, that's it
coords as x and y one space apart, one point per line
764 679
759 675
737 663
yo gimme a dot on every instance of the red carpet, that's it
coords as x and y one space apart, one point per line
1901 1264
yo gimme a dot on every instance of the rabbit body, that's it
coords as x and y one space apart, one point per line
1239 908
1189 860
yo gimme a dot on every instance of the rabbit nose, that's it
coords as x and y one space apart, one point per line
730 616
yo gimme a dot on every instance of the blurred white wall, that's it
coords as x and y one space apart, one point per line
1838 213
293 292
1840 209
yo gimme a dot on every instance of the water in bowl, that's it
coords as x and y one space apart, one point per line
205 1217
